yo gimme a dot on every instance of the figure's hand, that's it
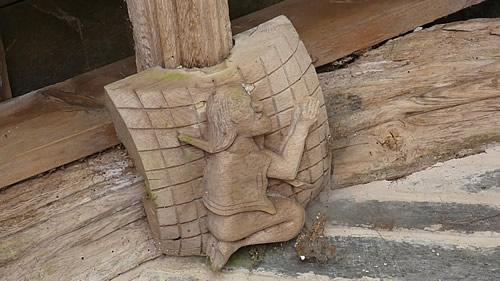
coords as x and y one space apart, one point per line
306 113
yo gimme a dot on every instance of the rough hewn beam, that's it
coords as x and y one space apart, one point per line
426 97
333 29
57 124
170 33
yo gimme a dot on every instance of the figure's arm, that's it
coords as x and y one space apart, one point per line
286 164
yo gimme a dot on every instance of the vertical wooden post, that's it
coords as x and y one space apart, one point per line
5 92
170 33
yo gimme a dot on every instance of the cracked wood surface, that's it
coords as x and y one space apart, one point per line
382 109
172 33
57 124
419 99
334 29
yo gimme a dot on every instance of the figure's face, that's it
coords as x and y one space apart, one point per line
248 116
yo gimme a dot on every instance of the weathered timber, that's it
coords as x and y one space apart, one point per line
86 222
158 111
170 33
448 81
57 124
334 29
422 98
62 136
5 92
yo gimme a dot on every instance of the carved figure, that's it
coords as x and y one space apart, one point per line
235 177
260 100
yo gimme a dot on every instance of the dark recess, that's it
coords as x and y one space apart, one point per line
49 41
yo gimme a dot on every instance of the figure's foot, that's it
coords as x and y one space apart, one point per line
219 253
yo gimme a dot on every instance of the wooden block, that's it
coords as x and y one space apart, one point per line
188 172
163 197
180 169
177 97
151 99
193 243
190 229
170 232
184 116
202 210
152 160
292 69
253 71
187 212
284 100
203 224
158 119
170 247
271 60
262 89
278 81
184 193
145 139
167 216
166 138
299 89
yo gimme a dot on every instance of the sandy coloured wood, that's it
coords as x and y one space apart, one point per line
334 29
152 108
334 25
5 91
426 97
58 124
170 33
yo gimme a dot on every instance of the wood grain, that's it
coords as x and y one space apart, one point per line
85 222
334 29
423 98
63 135
57 124
152 108
5 91
172 33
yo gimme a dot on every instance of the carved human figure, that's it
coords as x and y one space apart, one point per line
238 167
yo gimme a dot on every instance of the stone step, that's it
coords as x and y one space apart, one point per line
400 254
460 195
438 224
362 254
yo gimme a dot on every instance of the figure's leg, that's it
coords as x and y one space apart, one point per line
255 228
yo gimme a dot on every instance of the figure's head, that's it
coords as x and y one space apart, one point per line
231 112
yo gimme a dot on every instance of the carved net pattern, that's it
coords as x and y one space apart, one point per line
154 110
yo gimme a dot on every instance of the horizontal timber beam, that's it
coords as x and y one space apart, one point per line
67 121
333 29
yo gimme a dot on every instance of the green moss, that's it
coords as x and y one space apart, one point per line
240 259
175 75
151 196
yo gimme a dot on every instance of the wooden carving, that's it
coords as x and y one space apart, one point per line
231 154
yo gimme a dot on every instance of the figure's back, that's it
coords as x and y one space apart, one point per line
236 183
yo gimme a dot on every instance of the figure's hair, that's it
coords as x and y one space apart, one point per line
221 130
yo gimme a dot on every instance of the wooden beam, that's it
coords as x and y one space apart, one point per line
424 98
171 33
5 91
66 133
57 124
333 29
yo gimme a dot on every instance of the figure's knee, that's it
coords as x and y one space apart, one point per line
298 216
294 213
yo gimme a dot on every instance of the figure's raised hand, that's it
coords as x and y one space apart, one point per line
306 112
